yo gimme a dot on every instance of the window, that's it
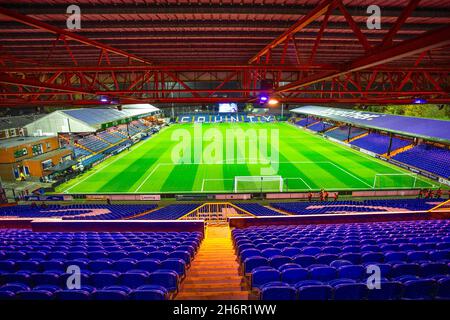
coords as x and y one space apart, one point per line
37 149
20 153
47 164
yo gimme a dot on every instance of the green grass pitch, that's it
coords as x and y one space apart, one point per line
305 162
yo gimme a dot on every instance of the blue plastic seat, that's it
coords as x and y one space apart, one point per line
166 278
315 292
108 295
14 277
443 290
304 260
263 275
294 275
101 279
277 261
322 273
270 252
149 265
278 292
303 283
422 289
175 264
418 256
134 279
47 287
117 255
372 257
98 265
352 272
148 295
178 254
29 265
54 265
290 251
289 265
389 290
72 295
96 255
311 250
335 282
14 287
45 278
158 255
405 269
395 257
34 295
123 265
350 291
326 258
434 268
253 262
7 295
7 266
340 263
353 257
247 253
122 288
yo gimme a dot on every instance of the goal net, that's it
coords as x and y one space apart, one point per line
258 184
397 180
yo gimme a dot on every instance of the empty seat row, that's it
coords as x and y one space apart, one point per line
346 289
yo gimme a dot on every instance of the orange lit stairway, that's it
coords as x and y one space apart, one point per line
213 274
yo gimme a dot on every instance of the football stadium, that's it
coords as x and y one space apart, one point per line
209 150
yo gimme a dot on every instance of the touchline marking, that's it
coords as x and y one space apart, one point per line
94 173
145 180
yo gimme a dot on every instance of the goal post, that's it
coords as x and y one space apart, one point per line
258 184
395 180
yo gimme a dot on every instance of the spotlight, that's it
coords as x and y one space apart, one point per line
263 99
419 101
273 102
104 99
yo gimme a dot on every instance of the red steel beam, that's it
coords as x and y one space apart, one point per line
299 25
68 35
6 79
400 21
356 30
427 41
140 92
341 100
203 67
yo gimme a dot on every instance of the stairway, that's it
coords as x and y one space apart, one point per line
213 274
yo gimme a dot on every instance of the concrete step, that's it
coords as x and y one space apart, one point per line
211 287
232 295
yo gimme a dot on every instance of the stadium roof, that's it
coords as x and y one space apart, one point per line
18 141
430 129
85 120
98 116
17 121
206 51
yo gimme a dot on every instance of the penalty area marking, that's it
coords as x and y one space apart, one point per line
351 175
302 180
